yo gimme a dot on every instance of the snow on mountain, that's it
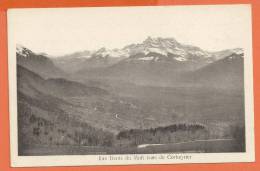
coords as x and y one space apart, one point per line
154 45
200 53
77 55
114 53
39 63
180 58
159 48
235 56
25 52
163 48
177 51
228 52
21 50
147 58
238 51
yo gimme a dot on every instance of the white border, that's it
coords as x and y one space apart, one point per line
80 160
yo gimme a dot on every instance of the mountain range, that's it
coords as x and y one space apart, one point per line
32 83
155 61
150 50
39 63
87 98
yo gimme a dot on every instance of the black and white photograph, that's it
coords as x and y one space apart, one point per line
131 85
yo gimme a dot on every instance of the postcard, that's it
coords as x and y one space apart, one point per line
131 85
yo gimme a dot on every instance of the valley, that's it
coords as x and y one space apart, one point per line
159 92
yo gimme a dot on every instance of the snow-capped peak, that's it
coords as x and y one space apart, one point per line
114 53
159 41
165 48
161 46
25 52
155 49
238 51
21 50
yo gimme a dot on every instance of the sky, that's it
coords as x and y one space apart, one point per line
67 30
